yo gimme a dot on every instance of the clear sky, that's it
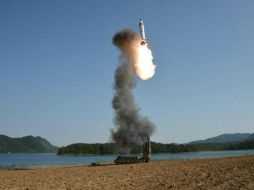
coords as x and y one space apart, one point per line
57 67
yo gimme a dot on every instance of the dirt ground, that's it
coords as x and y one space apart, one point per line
216 173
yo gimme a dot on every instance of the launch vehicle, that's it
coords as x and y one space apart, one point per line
142 32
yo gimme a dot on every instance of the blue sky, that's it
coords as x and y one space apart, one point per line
57 67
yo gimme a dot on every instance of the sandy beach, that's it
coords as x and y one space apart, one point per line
216 173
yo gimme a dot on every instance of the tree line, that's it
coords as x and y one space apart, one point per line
111 148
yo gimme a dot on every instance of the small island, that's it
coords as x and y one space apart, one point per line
237 141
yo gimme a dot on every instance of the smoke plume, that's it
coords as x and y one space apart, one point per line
135 59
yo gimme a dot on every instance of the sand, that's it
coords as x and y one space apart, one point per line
216 173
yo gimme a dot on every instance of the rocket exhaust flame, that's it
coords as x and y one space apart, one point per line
144 66
135 58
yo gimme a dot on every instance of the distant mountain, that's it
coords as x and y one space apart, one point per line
29 144
251 137
225 138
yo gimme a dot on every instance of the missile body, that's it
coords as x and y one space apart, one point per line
142 32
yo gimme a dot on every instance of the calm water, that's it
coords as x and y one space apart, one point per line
30 160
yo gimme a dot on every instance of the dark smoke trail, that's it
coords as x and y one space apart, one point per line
132 128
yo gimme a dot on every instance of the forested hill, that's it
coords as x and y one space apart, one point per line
27 144
31 144
226 138
109 148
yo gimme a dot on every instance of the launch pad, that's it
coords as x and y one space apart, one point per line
134 159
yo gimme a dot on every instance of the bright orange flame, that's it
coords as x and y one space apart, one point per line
144 67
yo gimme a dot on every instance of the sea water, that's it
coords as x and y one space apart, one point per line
17 160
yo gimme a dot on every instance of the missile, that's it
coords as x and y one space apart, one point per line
142 32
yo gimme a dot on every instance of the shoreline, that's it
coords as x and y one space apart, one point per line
112 163
103 162
55 153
